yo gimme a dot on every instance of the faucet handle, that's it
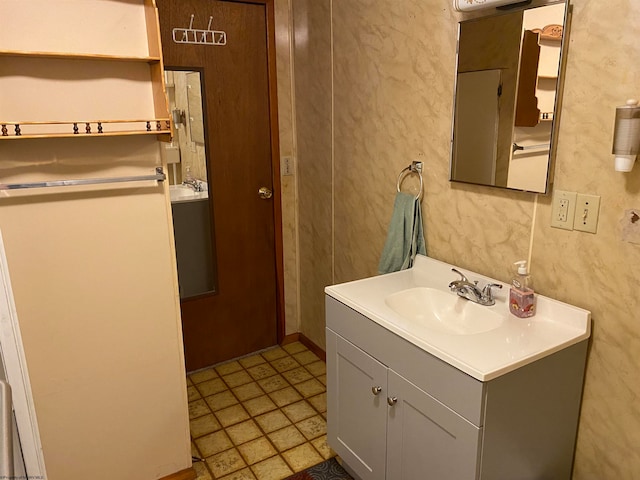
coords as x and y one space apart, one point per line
487 293
463 278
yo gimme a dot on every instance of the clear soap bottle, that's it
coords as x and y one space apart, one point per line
522 302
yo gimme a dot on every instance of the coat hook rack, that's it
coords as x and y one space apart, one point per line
199 37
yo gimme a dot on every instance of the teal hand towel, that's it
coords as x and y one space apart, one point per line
405 237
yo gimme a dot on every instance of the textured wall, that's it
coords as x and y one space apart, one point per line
287 149
393 75
312 59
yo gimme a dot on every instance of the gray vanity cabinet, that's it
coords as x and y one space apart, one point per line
396 412
423 435
383 426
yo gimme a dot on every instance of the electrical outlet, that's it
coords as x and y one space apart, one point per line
286 166
587 210
563 209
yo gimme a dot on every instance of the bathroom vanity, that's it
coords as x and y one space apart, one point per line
419 391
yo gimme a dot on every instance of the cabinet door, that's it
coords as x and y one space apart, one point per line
357 407
427 440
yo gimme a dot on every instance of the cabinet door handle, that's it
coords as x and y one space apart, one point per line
392 401
376 390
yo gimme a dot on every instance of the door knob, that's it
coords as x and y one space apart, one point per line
392 401
376 390
265 193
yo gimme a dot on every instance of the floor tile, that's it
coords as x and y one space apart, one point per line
274 468
306 357
238 378
272 421
213 443
302 457
261 371
282 408
248 391
257 450
243 432
323 447
259 405
286 438
198 408
221 400
317 368
232 415
319 402
312 427
309 388
211 387
193 393
294 347
203 425
244 474
297 375
252 361
272 384
274 353
299 411
284 364
203 375
229 367
225 463
285 396
201 471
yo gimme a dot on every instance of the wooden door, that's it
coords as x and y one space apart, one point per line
244 313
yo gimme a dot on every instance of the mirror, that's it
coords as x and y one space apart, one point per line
186 158
506 98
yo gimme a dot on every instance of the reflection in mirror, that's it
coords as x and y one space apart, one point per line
186 157
506 96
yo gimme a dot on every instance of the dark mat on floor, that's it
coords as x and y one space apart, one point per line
327 470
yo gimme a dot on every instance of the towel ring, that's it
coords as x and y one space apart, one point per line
415 167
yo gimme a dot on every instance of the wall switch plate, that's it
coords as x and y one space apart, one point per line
563 208
286 166
587 211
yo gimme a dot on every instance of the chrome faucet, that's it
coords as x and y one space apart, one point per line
465 289
193 183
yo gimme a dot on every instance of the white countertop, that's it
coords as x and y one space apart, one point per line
484 356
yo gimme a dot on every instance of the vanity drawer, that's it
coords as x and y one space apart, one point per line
455 389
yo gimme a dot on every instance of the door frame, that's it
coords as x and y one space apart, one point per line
14 362
275 160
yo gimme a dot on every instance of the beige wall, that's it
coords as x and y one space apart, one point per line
380 76
93 275
283 25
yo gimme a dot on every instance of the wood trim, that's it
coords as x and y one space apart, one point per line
275 165
550 32
186 474
299 337
275 162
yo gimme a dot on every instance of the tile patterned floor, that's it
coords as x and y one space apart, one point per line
260 417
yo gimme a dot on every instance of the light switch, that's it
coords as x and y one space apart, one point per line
587 211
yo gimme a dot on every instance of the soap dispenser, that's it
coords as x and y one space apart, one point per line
521 296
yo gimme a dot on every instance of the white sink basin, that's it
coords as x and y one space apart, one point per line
184 193
444 312
483 341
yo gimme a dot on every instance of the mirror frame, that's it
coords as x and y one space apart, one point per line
559 87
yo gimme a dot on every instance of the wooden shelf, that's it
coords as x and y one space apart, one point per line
78 56
78 129
107 65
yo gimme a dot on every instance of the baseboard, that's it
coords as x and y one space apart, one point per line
186 474
299 337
